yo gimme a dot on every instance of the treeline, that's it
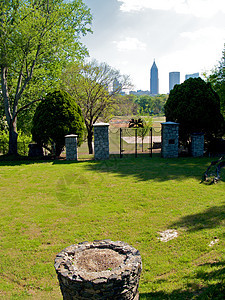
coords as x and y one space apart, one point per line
144 105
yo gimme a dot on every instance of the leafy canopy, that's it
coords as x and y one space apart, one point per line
196 107
37 39
91 85
217 79
55 117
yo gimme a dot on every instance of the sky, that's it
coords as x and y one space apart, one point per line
185 36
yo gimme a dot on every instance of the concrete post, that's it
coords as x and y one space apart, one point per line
101 141
170 139
71 146
197 144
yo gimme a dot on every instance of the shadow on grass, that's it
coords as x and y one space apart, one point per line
156 168
8 160
210 218
12 160
208 283
143 167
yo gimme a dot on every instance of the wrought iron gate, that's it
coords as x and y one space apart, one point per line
136 140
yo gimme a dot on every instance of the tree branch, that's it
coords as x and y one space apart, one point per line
25 107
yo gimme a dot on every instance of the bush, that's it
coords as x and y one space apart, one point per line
22 143
55 117
196 107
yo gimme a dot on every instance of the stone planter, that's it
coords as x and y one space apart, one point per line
99 270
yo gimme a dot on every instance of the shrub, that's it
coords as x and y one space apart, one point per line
196 107
55 117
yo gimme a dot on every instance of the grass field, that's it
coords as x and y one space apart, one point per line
46 206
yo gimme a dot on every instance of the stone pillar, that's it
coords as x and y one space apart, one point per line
197 144
101 141
170 139
71 146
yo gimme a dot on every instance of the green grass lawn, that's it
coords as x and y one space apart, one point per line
46 206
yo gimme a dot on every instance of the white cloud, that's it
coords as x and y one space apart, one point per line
198 8
130 44
207 34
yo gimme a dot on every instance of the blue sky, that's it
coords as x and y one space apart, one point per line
181 35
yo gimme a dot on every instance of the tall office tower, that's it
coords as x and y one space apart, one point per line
154 80
174 78
194 75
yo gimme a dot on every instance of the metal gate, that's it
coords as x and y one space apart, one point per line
136 141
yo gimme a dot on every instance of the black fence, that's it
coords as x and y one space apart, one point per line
135 140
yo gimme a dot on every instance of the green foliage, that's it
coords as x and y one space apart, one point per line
196 107
23 142
89 83
151 105
55 117
217 79
37 39
124 105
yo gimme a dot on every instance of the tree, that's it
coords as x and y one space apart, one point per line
55 117
90 84
196 107
217 79
124 105
37 38
151 105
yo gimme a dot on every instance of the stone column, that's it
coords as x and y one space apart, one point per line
71 146
101 141
197 144
170 139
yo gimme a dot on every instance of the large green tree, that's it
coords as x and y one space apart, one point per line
217 79
55 117
37 38
91 84
196 107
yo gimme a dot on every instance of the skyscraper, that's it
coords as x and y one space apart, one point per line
174 78
154 80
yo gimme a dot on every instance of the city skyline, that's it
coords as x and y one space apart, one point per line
184 36
174 78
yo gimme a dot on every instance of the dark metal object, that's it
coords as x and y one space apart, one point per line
134 132
213 176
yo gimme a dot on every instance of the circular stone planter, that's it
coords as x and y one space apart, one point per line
99 270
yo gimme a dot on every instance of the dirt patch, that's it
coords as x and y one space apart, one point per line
98 260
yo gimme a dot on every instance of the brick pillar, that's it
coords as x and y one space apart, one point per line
197 144
71 146
101 141
170 139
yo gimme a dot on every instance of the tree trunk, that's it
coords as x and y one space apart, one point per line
90 138
12 140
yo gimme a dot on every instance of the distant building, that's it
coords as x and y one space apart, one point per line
154 80
139 93
194 75
174 78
